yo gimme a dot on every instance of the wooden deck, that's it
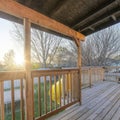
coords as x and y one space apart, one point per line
101 102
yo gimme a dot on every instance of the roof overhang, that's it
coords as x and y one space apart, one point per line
84 16
15 9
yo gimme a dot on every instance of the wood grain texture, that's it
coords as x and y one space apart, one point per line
29 81
101 102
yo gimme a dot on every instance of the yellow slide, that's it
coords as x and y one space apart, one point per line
60 87
57 97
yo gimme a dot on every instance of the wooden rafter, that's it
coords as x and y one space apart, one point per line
113 17
13 8
59 5
93 13
99 19
28 2
101 26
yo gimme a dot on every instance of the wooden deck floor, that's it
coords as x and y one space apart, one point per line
101 102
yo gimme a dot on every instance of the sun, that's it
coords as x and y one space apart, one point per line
19 60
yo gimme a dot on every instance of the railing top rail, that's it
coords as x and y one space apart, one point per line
13 75
112 67
36 73
18 71
56 70
87 68
113 74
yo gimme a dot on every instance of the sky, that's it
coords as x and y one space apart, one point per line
6 40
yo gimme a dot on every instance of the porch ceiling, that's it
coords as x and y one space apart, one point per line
85 16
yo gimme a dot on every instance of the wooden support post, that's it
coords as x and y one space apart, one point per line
29 83
79 75
79 66
90 79
103 76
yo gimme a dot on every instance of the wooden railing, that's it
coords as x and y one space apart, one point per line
112 74
11 95
53 91
91 75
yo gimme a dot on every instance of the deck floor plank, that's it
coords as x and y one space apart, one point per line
99 88
113 110
98 102
101 102
68 115
102 107
116 115
105 112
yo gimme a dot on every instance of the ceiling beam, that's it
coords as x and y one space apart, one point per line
101 26
107 24
10 18
57 7
93 13
91 28
13 8
28 2
20 21
99 19
113 17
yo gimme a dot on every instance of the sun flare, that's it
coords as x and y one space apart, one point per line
19 60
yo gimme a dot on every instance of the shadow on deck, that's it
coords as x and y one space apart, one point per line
101 102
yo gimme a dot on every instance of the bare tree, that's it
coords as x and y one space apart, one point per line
66 55
100 48
44 45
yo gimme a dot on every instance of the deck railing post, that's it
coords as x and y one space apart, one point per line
103 74
90 79
2 112
79 75
77 41
29 83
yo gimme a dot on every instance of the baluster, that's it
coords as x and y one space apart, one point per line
2 112
60 89
13 102
39 95
22 99
45 95
55 91
51 93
